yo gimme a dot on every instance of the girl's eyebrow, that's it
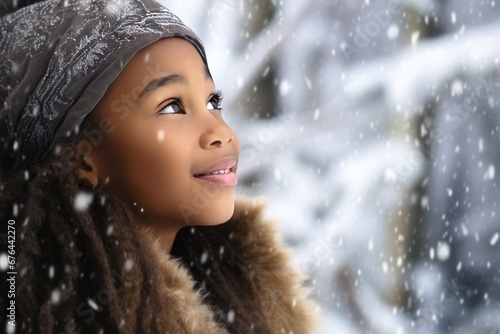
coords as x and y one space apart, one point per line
161 82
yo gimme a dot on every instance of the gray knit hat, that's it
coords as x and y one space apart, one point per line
58 57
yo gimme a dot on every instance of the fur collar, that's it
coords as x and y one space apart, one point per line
251 242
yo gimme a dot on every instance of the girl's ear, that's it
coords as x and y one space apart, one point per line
88 168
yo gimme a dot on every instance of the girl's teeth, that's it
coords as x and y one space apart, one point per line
222 171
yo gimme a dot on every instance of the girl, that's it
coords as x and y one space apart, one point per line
118 172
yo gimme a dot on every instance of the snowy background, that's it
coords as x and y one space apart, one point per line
373 128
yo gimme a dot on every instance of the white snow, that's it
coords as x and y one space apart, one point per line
443 251
93 304
494 239
393 31
110 230
129 264
453 17
82 201
230 316
55 296
51 271
285 87
4 262
204 257
491 172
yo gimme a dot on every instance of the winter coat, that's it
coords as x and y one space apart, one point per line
254 242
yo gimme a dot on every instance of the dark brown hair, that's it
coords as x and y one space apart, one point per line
70 259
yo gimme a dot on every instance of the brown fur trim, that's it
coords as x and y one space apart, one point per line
282 305
285 302
183 303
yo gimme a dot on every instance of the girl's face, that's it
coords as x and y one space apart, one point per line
166 152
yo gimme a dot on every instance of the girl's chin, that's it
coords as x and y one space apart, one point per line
216 219
214 214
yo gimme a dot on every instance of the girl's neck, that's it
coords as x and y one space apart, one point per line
163 233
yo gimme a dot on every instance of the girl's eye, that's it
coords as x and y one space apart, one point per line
215 102
174 107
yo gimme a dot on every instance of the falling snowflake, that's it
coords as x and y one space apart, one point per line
82 201
443 251
491 172
15 210
109 230
129 264
494 239
393 31
51 272
316 114
285 87
93 304
204 257
230 316
55 296
4 263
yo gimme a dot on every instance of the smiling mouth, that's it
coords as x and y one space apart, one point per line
216 172
222 172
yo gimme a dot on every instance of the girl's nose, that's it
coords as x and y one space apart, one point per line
217 134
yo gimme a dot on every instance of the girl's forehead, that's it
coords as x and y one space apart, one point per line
167 61
167 56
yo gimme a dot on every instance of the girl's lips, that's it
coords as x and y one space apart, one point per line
228 179
222 172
